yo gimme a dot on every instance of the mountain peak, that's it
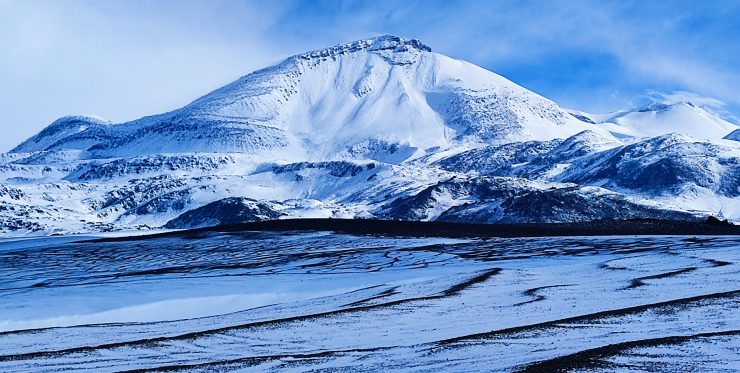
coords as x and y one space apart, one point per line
385 90
378 43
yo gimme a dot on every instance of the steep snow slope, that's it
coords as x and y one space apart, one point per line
661 119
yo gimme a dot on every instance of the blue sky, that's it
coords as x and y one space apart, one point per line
125 59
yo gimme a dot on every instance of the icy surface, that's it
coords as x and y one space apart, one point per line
325 301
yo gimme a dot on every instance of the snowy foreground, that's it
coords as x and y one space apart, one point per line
327 301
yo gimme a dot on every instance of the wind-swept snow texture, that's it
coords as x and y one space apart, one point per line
251 301
376 128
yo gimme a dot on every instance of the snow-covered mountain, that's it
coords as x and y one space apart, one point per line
381 127
662 118
311 106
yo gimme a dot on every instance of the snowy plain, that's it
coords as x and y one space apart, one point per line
322 301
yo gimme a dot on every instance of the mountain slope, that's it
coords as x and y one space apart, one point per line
661 118
316 104
72 132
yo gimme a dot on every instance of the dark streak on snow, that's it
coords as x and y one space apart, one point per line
451 291
637 282
595 357
590 317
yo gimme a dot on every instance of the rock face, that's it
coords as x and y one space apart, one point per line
734 135
663 165
660 118
225 211
572 204
377 128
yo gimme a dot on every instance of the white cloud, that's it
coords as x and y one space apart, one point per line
683 96
121 61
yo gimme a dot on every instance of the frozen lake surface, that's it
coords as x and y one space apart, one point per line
262 301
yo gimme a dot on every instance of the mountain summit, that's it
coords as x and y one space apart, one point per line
376 128
380 43
660 118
